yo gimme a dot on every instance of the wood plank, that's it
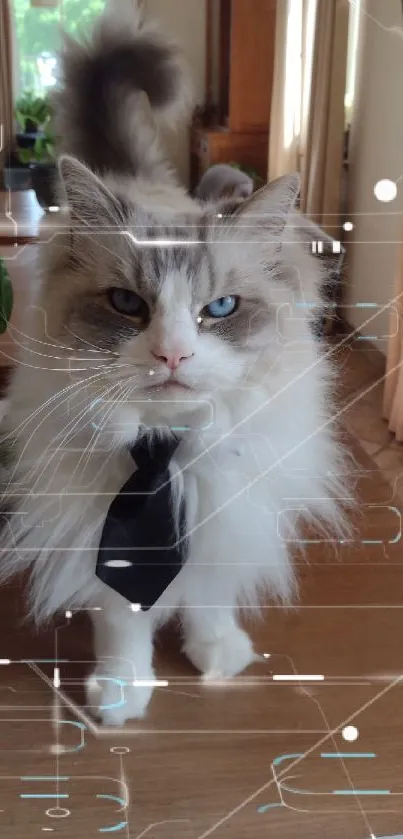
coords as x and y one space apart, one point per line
236 762
20 217
253 28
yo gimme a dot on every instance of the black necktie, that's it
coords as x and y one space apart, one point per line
139 553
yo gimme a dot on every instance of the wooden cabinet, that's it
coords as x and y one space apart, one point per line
251 64
210 146
245 62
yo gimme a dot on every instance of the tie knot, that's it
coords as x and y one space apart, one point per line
154 454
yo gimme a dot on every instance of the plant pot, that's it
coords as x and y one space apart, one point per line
17 178
26 140
45 183
30 127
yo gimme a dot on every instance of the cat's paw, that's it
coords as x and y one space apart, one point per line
223 657
114 701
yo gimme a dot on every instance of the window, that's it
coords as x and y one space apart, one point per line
300 40
354 29
38 28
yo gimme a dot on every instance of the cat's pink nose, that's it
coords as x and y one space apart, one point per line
172 359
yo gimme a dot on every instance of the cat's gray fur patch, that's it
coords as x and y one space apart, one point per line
108 85
224 181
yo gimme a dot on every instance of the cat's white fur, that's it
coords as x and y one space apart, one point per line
260 457
258 452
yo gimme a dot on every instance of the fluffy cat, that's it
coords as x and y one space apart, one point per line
224 181
156 311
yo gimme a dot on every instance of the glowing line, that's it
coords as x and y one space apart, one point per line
267 807
113 798
114 829
44 795
348 755
44 660
45 778
369 338
361 792
160 243
293 678
282 758
122 700
152 683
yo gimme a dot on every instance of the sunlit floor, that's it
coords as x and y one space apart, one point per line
264 756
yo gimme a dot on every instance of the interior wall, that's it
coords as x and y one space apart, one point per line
376 153
185 21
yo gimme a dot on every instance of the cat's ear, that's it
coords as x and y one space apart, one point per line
266 212
91 204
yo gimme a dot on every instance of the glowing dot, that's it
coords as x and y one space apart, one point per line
118 563
199 320
385 190
219 215
58 813
136 607
348 226
5 660
53 209
57 749
350 733
266 655
69 615
152 373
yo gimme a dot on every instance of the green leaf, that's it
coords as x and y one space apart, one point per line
38 147
25 155
37 109
43 151
20 119
6 297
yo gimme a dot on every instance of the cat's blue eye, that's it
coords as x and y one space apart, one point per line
128 303
222 308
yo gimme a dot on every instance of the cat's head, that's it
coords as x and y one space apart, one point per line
179 306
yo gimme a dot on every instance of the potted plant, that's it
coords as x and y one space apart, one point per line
41 162
42 166
32 112
33 115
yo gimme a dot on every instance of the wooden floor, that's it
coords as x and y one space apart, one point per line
260 757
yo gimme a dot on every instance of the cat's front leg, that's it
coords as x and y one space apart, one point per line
121 685
215 644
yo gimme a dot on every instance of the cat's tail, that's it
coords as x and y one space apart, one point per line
117 88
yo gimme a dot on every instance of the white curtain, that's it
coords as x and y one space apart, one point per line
295 31
323 145
308 113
